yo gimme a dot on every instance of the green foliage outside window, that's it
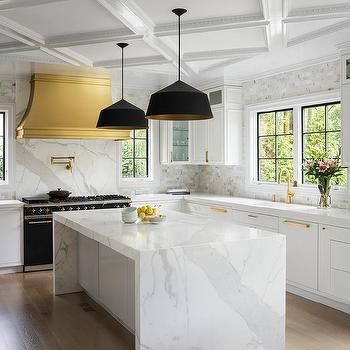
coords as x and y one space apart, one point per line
322 137
135 155
275 144
2 144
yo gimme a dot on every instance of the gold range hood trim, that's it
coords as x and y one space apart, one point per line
67 107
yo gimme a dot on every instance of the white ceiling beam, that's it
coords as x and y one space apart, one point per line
133 17
132 62
211 24
222 54
318 33
79 39
274 12
14 47
11 4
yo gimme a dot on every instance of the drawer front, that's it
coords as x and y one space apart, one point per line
208 210
302 251
256 220
340 256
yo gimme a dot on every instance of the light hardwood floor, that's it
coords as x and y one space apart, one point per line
32 318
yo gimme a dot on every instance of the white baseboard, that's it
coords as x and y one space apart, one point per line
10 269
319 297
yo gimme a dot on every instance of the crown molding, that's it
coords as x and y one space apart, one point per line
336 9
292 67
77 39
217 83
15 47
318 33
131 62
212 24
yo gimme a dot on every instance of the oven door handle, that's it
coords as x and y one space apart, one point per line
40 222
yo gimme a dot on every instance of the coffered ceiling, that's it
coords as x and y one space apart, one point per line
241 39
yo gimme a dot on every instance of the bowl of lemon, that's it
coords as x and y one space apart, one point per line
147 212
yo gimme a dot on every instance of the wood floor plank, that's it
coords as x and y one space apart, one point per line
32 318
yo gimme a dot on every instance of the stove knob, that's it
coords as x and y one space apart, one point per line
33 211
63 209
40 210
47 210
78 208
85 208
92 207
70 208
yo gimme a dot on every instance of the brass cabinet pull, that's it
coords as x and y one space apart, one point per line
171 156
40 222
206 157
296 223
219 210
253 216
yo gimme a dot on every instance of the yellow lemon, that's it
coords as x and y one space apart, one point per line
149 211
142 215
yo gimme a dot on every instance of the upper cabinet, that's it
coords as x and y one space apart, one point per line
174 142
216 141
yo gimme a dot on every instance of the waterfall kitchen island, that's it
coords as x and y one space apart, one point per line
188 283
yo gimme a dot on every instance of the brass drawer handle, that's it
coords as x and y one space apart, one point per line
219 210
253 216
206 157
296 223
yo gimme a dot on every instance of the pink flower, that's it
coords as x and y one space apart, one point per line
323 166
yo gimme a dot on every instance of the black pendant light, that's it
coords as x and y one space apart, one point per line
179 101
122 114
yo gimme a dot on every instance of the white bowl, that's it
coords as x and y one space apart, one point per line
129 215
157 219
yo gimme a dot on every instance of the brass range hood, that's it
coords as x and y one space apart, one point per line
67 107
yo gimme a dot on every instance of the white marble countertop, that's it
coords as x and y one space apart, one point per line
10 203
180 230
332 216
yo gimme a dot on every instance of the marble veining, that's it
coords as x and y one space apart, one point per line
196 286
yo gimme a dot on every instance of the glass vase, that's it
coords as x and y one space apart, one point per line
325 188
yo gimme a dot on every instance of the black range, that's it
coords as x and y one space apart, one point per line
38 228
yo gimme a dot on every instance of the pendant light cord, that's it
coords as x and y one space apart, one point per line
179 63
122 73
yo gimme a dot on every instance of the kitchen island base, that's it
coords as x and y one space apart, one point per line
227 293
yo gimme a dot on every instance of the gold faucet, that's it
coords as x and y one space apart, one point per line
290 194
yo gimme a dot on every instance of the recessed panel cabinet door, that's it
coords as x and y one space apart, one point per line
334 262
302 252
10 237
199 141
216 137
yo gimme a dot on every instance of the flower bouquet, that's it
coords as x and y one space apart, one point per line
323 171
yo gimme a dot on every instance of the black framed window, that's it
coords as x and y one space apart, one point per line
135 155
321 136
2 146
275 144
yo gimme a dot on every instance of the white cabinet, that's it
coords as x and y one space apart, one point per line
88 265
117 285
334 262
199 141
164 152
174 142
11 237
302 252
216 141
260 221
